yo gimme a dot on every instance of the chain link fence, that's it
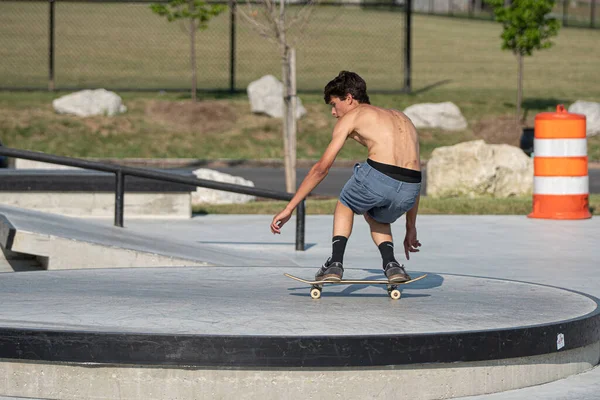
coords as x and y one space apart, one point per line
575 13
125 46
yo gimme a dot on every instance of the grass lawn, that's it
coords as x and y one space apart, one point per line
126 45
427 205
112 45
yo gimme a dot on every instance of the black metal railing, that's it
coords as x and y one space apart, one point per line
122 171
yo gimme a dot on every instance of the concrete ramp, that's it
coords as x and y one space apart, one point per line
59 242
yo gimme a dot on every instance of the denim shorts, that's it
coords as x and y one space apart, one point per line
383 198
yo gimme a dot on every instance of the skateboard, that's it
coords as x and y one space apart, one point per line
392 287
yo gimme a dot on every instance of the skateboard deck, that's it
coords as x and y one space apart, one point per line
316 286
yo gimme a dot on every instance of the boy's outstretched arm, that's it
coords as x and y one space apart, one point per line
317 173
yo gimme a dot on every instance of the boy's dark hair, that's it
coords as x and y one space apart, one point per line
347 82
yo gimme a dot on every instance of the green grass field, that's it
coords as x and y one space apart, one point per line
127 45
427 205
112 45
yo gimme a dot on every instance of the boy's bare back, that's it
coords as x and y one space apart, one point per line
389 135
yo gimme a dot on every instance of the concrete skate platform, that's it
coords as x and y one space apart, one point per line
470 328
445 327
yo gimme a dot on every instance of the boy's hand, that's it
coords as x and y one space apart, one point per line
411 243
279 220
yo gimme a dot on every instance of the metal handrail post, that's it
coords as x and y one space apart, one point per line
300 225
119 198
51 45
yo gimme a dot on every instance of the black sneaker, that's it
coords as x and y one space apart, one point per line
330 271
396 273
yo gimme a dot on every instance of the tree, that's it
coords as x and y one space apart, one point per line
273 24
197 14
526 27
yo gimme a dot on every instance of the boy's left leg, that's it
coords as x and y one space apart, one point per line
381 234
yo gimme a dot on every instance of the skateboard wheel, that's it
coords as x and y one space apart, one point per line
395 294
315 293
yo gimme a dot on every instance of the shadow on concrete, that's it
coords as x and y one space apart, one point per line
306 245
429 282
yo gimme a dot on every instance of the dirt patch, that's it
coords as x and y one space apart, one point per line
203 116
499 130
106 126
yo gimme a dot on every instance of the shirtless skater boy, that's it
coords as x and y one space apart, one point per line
382 189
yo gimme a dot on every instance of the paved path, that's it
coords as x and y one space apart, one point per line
556 253
274 178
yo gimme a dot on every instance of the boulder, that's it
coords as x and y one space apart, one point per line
266 97
21 163
210 196
591 111
477 169
445 116
86 103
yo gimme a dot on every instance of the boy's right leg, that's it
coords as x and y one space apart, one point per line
343 220
382 237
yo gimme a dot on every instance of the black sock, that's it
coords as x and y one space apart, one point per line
338 244
387 252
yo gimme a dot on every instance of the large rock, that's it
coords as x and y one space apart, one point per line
591 111
86 103
445 116
477 169
210 196
266 97
21 163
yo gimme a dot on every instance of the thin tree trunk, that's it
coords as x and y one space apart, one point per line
286 120
193 51
290 185
292 114
519 86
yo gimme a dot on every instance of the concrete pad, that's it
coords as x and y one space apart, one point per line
557 253
210 301
454 335
551 252
584 386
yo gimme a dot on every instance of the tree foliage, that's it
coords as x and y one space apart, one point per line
195 10
527 25
197 13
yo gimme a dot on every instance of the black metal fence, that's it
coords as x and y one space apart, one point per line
123 45
575 13
122 171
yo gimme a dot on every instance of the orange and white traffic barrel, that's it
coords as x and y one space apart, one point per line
560 166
